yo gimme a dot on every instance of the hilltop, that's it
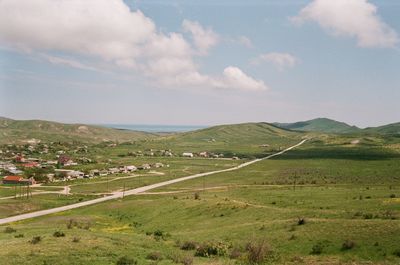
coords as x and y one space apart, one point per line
245 138
320 125
19 131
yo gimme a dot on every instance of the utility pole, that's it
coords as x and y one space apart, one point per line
294 182
204 183
123 191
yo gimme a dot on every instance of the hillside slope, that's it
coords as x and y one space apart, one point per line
393 128
320 125
19 131
239 138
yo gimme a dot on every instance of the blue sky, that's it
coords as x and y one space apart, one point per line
192 62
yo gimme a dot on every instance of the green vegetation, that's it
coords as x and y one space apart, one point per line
334 200
16 131
320 125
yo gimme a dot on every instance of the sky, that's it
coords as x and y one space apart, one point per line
200 62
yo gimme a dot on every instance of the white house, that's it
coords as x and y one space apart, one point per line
186 154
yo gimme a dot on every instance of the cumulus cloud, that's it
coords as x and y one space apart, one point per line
108 30
353 18
203 38
234 77
280 60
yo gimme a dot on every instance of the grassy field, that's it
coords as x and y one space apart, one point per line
320 204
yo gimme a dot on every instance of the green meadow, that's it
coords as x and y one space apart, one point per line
323 203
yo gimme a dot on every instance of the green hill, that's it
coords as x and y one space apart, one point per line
20 131
246 138
393 128
320 125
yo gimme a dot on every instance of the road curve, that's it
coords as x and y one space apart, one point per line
117 195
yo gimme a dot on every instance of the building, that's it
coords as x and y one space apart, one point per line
186 154
18 180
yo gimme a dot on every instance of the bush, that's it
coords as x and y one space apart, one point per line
258 251
392 196
197 196
187 260
126 261
76 239
397 253
212 249
348 244
189 245
58 234
235 253
154 256
19 236
35 240
317 249
9 230
301 221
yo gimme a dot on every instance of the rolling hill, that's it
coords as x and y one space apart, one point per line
20 131
319 125
393 128
241 139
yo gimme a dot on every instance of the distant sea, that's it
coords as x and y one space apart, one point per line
155 128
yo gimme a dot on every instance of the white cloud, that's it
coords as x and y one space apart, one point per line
245 41
234 77
203 38
68 62
107 30
280 60
352 18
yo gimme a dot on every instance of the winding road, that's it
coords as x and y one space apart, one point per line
121 194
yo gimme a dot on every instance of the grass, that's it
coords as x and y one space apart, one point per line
347 196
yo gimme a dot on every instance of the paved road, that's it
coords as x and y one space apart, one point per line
117 195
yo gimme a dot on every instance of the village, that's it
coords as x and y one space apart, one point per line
35 163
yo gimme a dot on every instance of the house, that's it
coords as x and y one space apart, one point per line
203 154
18 180
235 158
94 172
69 173
12 179
131 168
113 170
157 165
30 165
186 154
19 159
144 167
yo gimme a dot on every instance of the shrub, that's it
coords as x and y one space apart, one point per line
317 249
197 196
348 244
235 253
154 256
58 234
368 216
392 196
397 253
19 236
212 249
71 223
9 230
189 245
76 239
187 260
258 251
35 240
301 221
126 261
